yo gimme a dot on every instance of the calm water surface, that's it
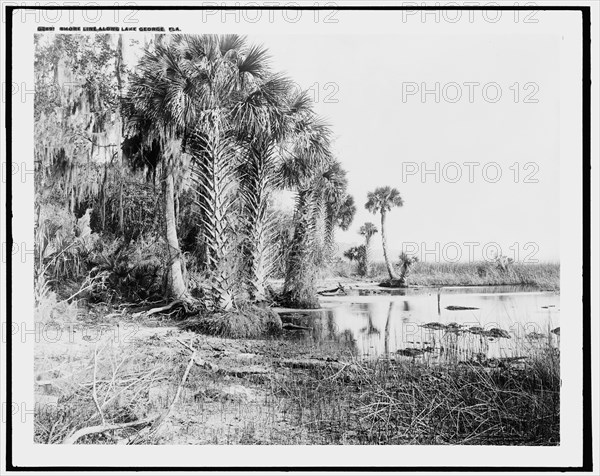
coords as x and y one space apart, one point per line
422 322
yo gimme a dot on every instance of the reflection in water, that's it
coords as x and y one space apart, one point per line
499 323
387 327
370 329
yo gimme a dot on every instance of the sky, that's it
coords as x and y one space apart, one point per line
439 117
384 135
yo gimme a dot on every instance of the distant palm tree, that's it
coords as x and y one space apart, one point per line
355 253
405 265
367 230
382 200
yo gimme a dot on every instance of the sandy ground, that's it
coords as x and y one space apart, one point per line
137 367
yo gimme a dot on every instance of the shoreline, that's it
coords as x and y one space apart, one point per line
273 391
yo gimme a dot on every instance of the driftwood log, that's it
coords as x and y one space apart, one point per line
340 290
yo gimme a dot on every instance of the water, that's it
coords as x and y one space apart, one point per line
417 322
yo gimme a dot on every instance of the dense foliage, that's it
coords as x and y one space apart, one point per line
172 161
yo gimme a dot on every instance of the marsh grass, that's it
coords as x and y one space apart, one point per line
544 276
410 402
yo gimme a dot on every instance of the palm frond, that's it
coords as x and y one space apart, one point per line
254 63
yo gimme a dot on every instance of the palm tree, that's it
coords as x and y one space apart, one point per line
382 200
332 207
264 123
367 230
356 253
405 264
160 106
302 171
225 76
353 253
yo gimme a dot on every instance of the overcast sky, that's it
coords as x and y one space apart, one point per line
360 80
495 110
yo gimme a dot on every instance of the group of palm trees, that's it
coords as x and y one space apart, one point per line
205 114
381 201
211 108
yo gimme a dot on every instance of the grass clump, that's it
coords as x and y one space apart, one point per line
247 321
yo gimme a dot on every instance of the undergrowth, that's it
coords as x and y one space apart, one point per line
245 321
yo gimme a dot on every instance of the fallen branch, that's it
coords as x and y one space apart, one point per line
154 428
332 292
90 430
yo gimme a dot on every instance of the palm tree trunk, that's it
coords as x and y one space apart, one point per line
214 170
385 251
121 226
329 236
386 340
367 256
176 285
257 246
299 289
256 191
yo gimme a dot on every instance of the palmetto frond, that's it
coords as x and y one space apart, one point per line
345 213
300 105
254 63
307 152
229 43
262 113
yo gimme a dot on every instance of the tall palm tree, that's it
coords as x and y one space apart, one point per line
238 97
263 125
330 196
382 200
367 230
302 171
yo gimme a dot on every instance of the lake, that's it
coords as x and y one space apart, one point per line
462 323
